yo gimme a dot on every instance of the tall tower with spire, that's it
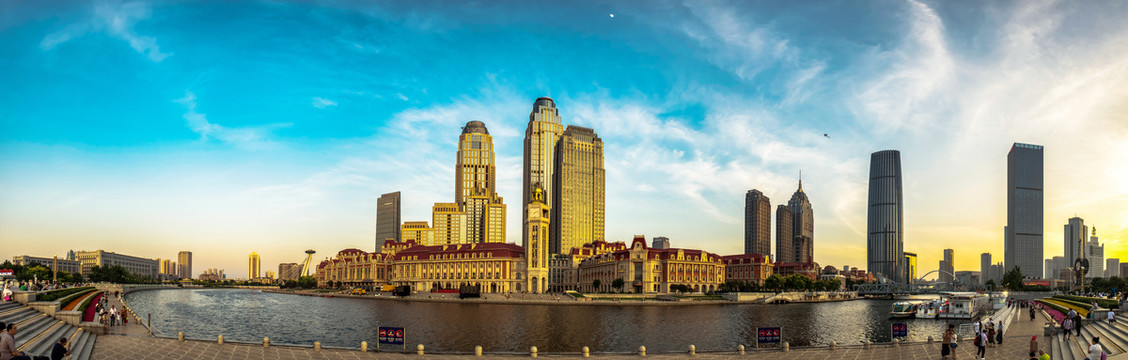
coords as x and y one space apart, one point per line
802 226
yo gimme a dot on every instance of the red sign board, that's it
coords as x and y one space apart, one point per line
6 272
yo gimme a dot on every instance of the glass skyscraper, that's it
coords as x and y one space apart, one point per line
885 225
1023 239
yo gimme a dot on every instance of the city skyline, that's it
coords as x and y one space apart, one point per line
126 131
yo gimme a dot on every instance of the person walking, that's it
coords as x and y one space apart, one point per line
1095 350
948 344
999 334
1077 324
1111 317
981 345
1067 326
1031 313
990 334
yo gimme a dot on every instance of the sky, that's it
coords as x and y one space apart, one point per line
222 128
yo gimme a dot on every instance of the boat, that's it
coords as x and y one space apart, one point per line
929 310
904 309
964 305
998 300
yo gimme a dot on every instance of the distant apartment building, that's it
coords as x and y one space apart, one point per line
910 267
1094 252
1112 267
418 232
69 266
213 274
450 224
751 268
185 266
757 223
138 266
947 267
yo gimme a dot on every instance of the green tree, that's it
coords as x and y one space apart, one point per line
774 282
35 272
307 282
1012 280
833 284
618 284
991 284
595 285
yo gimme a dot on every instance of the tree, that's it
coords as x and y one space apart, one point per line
991 284
774 282
833 285
595 285
1012 280
307 282
618 284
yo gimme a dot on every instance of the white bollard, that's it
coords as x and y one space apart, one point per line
642 351
265 342
586 352
316 346
478 350
533 351
221 339
692 350
419 349
786 346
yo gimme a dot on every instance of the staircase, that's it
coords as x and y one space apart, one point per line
1113 338
39 332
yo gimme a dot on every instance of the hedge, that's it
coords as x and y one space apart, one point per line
67 300
58 294
1088 301
1083 311
74 303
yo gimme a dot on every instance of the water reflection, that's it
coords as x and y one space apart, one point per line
248 316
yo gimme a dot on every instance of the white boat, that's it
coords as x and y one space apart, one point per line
904 309
929 310
964 305
998 300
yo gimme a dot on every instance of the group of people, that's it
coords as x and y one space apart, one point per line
986 336
109 315
11 285
8 349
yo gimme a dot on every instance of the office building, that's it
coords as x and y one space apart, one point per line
474 188
802 227
270 274
968 279
537 244
418 232
55 264
254 266
185 269
388 218
1094 251
660 242
1023 240
356 268
579 203
985 267
910 267
450 224
947 267
541 137
1112 267
784 235
1074 239
757 223
140 267
1124 269
885 233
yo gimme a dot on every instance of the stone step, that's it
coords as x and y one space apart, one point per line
30 328
1089 331
88 348
18 315
46 340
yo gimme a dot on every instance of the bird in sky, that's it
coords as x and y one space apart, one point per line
826 136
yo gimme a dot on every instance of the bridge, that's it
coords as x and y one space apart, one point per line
890 288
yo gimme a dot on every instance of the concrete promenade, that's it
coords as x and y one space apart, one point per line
1015 345
554 299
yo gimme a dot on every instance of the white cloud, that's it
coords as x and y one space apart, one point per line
321 103
116 20
247 137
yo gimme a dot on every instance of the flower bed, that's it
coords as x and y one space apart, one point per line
1058 316
88 310
1066 306
58 294
1088 301
77 299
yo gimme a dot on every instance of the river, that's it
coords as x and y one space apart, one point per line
250 315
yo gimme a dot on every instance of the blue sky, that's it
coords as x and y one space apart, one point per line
225 128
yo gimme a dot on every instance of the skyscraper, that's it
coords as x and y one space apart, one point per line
387 218
536 244
885 239
541 137
947 269
985 268
578 206
910 268
185 268
802 226
254 266
1112 267
1023 240
474 190
784 236
757 223
1094 251
1074 240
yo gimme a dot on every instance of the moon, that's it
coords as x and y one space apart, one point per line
612 15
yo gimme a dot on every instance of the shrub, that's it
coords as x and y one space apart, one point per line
69 299
58 294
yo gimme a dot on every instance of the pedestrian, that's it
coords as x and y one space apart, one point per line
975 327
1031 313
990 334
947 345
1111 317
999 334
1077 324
1067 326
1095 350
1034 343
60 350
981 345
8 345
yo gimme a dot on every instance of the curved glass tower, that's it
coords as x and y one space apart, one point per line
885 225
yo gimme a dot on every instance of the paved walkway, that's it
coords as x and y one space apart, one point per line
132 327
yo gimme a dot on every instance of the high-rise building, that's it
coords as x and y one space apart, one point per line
1023 240
1112 267
578 206
802 227
254 266
537 215
474 188
417 231
1074 239
1094 251
757 223
388 218
784 236
185 269
947 267
541 138
450 224
885 239
1123 268
910 267
985 267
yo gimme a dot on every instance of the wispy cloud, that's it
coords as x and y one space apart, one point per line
246 137
321 103
116 20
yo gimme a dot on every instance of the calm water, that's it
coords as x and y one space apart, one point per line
249 315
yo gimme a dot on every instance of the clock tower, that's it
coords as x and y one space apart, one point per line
536 241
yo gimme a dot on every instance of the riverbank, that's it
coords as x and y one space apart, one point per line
568 300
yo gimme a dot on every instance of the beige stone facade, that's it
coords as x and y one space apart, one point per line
648 270
495 267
